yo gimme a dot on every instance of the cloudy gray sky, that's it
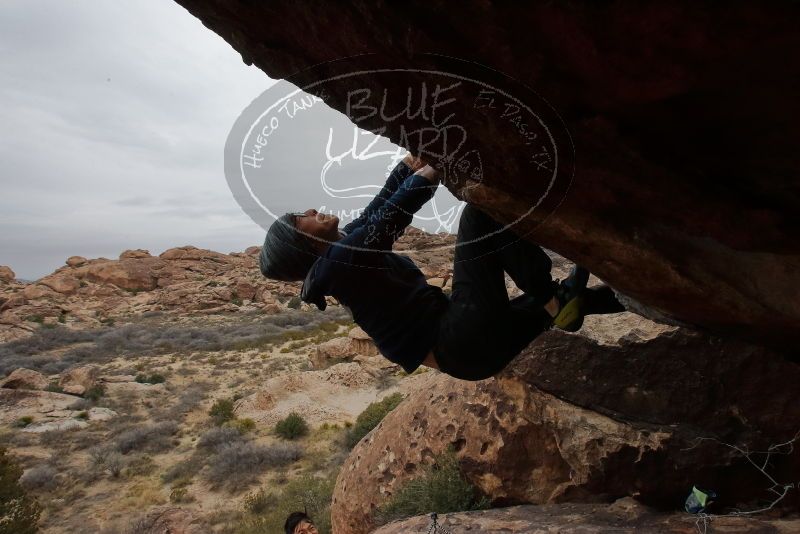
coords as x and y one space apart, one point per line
113 121
112 129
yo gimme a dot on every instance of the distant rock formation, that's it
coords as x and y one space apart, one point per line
88 293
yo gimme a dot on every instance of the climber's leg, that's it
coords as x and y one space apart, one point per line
482 331
477 271
526 263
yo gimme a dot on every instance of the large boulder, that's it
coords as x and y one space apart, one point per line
626 407
622 517
129 274
683 116
78 380
357 346
76 261
24 379
361 343
6 274
16 403
61 283
39 291
134 254
331 352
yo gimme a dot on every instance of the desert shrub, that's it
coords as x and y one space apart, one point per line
180 495
23 421
19 513
140 466
106 459
292 426
51 438
259 502
370 417
294 303
154 378
54 387
188 400
182 472
266 512
440 488
80 404
95 392
221 411
238 464
84 415
213 438
244 425
152 438
146 338
41 477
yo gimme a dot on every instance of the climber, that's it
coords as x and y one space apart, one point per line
471 335
299 523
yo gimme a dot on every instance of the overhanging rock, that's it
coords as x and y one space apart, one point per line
679 135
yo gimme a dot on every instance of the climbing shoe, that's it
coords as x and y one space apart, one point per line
569 294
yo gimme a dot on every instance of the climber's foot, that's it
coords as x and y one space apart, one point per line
569 295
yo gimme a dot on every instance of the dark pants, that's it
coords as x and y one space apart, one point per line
482 330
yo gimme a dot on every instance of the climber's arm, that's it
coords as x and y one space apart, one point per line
382 227
399 174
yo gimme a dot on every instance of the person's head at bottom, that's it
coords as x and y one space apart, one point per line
294 242
299 523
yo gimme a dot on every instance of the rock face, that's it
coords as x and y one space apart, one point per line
6 274
623 517
357 344
78 380
626 407
15 403
687 181
361 343
24 379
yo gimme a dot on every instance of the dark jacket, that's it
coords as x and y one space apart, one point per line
386 292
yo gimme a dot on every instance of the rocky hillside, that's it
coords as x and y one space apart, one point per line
142 394
87 293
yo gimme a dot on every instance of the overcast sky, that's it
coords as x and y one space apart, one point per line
112 130
113 122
